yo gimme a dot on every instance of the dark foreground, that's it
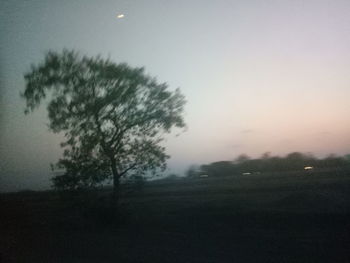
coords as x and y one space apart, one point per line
262 218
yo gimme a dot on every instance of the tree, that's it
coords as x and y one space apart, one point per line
221 168
242 158
265 156
113 117
192 171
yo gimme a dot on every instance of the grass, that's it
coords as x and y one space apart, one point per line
291 217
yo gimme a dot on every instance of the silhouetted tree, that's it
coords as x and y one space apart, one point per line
266 156
192 171
297 161
223 168
334 161
113 117
242 158
294 161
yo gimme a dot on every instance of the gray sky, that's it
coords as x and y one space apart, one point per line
259 76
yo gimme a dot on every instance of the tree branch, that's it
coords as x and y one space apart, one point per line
128 169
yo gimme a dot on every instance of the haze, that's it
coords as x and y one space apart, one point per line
258 75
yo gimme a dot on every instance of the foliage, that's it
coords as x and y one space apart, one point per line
291 162
242 158
113 116
222 168
192 170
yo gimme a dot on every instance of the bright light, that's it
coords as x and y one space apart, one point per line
120 16
308 168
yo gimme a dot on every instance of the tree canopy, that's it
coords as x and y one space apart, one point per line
292 162
113 116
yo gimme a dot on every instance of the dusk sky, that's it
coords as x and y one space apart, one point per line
258 76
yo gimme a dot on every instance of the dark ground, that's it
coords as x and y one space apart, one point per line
257 218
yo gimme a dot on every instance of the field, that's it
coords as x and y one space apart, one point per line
291 217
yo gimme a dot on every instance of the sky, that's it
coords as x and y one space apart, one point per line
258 76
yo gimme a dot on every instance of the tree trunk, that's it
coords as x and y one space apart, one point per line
116 190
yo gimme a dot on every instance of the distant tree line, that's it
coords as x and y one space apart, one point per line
295 161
